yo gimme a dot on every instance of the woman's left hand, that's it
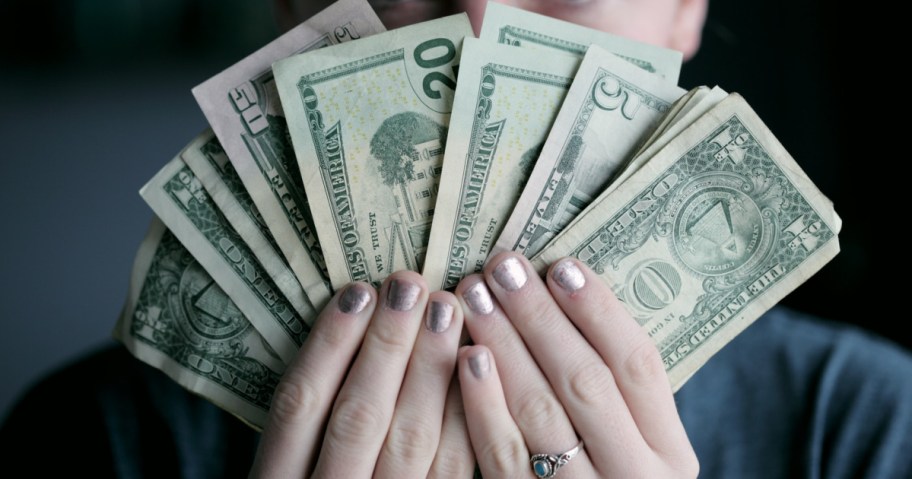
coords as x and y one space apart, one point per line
560 364
370 392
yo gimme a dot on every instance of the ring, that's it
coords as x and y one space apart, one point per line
546 465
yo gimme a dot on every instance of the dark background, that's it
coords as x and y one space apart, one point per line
96 98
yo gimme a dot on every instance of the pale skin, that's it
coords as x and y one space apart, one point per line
555 361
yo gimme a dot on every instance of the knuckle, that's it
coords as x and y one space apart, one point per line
538 410
590 386
452 464
686 464
502 458
691 467
456 416
354 422
332 335
644 365
454 457
541 316
390 339
409 442
293 402
608 310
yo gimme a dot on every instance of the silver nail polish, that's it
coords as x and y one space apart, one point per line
478 298
439 316
402 295
354 299
568 276
510 274
480 364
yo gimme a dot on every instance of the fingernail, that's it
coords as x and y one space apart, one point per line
478 298
439 316
568 276
510 274
402 295
480 364
354 299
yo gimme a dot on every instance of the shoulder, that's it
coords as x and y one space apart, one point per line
789 348
111 413
797 394
784 341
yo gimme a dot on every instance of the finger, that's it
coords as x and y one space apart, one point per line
454 458
626 348
364 407
576 372
302 400
415 430
497 441
534 406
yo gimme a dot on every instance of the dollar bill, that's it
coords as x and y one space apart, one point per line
506 102
177 319
701 101
209 163
179 199
610 107
515 26
368 120
677 109
243 108
715 229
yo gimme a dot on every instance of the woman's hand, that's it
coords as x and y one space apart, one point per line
389 414
559 363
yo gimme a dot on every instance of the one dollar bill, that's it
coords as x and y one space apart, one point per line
368 120
209 163
179 199
714 230
178 320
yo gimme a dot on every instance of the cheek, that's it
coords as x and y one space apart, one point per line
651 32
648 21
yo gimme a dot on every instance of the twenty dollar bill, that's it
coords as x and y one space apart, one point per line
505 104
368 120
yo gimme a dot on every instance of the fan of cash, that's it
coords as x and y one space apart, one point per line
342 152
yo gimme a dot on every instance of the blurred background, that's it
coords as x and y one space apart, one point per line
96 98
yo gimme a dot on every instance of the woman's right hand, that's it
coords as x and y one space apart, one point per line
369 393
562 380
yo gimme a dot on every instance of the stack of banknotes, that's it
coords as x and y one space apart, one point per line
343 152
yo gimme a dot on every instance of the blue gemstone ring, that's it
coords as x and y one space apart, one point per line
546 465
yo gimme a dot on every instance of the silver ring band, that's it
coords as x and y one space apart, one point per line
545 466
